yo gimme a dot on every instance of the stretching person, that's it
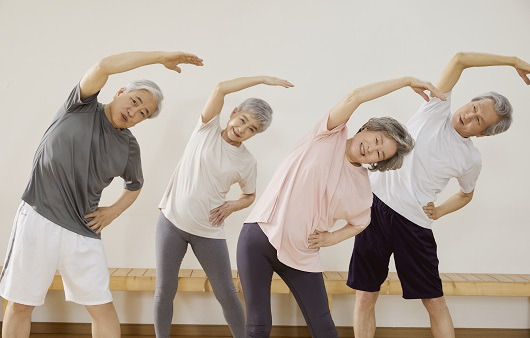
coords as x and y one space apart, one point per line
194 206
403 209
319 182
58 224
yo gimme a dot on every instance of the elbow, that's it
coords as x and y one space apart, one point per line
461 59
221 89
354 98
103 67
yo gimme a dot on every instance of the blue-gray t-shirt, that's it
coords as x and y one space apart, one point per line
78 156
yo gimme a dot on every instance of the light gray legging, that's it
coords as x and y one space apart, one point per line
171 245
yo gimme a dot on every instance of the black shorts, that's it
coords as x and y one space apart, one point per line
414 250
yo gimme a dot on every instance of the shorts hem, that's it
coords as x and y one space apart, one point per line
423 297
14 300
87 303
362 288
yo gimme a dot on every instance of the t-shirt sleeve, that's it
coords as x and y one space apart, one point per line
213 124
361 220
74 102
321 129
436 106
247 180
133 175
468 181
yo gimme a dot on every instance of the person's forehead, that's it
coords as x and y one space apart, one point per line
251 118
488 110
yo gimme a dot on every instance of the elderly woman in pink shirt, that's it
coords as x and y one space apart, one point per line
321 180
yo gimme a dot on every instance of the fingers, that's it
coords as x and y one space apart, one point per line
421 93
193 59
524 76
286 84
217 217
435 91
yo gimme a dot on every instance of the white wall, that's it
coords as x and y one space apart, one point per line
326 48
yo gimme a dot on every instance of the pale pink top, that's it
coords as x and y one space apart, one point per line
311 189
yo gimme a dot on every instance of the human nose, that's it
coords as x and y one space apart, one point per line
133 112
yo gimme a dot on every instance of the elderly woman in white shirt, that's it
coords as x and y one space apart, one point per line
194 206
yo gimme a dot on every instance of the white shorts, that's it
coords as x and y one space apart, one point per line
39 247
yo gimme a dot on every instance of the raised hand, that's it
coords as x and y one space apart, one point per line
171 60
274 81
523 69
420 86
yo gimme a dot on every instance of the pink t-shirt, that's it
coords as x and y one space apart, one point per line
311 189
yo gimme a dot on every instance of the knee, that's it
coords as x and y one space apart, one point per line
19 309
164 293
435 305
102 311
259 331
365 300
227 297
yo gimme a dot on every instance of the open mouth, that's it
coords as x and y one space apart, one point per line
235 133
361 149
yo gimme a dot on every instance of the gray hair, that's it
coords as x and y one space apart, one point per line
152 88
395 130
503 108
259 109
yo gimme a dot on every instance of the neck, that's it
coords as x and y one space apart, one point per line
106 109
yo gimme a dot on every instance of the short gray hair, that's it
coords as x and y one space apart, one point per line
259 109
397 131
152 88
503 108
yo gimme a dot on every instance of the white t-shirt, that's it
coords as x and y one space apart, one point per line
204 174
440 154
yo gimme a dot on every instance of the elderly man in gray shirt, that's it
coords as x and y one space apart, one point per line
59 223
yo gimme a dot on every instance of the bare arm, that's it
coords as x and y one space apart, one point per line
462 60
218 215
215 102
342 111
96 77
103 216
452 204
325 238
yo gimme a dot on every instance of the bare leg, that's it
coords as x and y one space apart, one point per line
17 321
441 322
105 322
364 314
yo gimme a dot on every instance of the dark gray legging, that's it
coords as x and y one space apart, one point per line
256 262
171 245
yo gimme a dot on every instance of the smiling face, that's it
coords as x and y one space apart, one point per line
130 108
241 126
368 147
474 118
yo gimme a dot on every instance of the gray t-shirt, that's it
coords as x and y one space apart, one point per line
79 155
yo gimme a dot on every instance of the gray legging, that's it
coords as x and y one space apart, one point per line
171 245
256 261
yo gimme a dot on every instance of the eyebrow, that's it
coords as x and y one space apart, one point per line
253 126
384 156
142 102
